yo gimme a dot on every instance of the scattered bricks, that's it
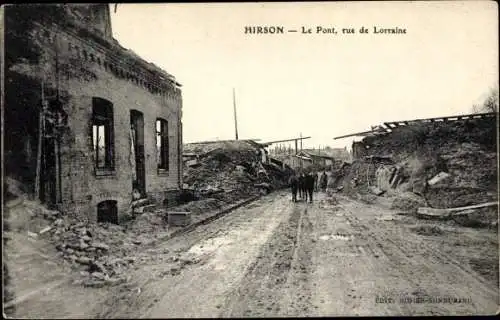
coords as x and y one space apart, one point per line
69 251
138 210
99 275
58 222
94 284
84 260
99 267
419 186
136 241
52 212
79 225
130 259
118 261
438 178
73 257
32 235
140 202
86 238
83 245
114 281
46 229
175 271
73 245
85 273
99 245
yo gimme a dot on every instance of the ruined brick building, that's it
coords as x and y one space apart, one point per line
88 124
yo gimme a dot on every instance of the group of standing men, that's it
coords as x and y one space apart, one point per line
306 183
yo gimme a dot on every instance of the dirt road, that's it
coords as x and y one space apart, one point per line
330 258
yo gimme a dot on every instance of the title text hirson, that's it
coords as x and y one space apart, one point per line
264 30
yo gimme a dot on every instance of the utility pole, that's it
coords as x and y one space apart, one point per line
57 151
235 118
41 123
301 141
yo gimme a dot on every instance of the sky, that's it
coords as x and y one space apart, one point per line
321 85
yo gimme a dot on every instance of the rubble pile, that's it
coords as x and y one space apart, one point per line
440 165
230 170
100 252
196 207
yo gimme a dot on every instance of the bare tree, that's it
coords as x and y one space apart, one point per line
490 104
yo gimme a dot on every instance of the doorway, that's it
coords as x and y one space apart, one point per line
50 160
138 157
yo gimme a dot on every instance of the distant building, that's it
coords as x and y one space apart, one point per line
111 126
305 159
318 158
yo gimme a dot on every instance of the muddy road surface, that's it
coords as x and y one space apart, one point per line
334 257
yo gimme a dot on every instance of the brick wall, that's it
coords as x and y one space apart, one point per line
87 70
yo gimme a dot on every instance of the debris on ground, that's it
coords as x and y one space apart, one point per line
436 164
486 217
232 170
427 230
408 201
438 178
453 212
100 253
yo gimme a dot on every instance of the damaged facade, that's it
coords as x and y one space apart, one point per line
89 125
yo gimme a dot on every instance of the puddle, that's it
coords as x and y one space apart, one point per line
336 237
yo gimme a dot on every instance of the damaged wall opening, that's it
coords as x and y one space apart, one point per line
107 211
102 133
137 147
162 144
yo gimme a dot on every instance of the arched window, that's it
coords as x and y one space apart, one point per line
102 133
162 144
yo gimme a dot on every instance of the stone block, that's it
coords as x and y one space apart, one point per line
179 218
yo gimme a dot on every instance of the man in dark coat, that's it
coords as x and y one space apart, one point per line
301 185
294 184
309 186
323 181
316 180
